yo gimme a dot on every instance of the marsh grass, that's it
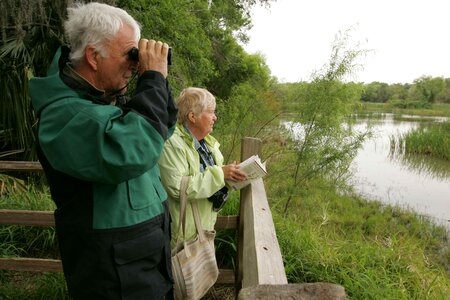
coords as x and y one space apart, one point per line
436 109
374 251
431 140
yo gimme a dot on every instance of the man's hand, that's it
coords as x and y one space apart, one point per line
153 56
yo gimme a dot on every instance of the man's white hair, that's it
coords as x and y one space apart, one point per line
95 24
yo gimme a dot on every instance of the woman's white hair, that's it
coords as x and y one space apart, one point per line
95 24
193 99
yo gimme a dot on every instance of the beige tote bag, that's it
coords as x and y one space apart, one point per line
194 264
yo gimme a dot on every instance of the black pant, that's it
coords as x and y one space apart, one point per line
125 264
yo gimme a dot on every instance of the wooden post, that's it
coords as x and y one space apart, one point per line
262 261
249 146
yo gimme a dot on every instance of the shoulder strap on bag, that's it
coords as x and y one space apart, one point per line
198 221
183 202
195 212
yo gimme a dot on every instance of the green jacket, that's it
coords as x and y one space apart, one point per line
116 150
180 158
101 162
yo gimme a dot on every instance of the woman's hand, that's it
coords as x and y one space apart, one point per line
233 173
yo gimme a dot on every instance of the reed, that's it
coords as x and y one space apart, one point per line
432 140
374 251
436 109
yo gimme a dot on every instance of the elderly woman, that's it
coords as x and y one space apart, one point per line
193 152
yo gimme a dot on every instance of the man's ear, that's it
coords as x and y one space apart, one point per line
91 55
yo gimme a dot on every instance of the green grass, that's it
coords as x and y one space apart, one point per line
437 109
32 286
432 140
374 251
28 241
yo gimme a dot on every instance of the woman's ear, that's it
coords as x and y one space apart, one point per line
191 117
91 56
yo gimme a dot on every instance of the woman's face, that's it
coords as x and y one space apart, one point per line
202 124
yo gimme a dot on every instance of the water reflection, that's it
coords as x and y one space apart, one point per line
416 182
423 165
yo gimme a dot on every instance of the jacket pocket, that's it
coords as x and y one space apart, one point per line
141 192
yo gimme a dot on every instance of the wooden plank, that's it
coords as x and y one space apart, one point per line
26 217
31 166
45 218
296 291
227 222
226 276
262 260
31 264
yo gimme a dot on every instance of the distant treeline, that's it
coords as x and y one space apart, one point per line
425 89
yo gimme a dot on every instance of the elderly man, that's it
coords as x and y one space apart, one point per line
100 151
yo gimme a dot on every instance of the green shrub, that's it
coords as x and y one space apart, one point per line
410 104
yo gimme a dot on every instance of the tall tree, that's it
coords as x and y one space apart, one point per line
375 92
202 34
30 33
429 88
324 140
205 37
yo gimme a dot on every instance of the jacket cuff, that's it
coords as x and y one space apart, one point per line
152 75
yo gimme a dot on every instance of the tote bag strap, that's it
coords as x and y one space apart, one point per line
195 212
198 221
183 202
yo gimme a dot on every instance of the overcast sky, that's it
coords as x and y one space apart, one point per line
407 38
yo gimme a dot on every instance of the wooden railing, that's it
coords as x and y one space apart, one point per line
259 272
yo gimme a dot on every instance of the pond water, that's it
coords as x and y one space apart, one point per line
413 182
416 182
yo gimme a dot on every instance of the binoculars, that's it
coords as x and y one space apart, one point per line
219 198
133 55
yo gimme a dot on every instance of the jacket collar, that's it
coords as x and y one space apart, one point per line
77 82
190 140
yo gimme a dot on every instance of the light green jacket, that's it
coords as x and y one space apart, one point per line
180 158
